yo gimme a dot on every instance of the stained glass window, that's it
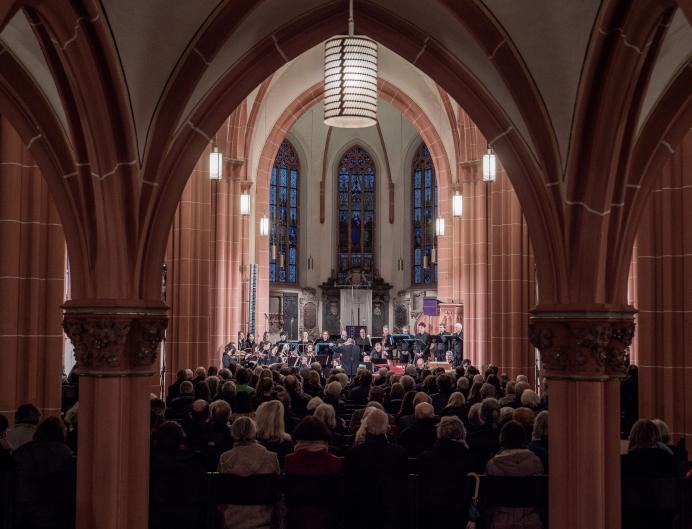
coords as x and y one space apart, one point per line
424 201
356 202
283 216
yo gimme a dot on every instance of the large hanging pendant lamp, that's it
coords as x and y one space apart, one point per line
350 80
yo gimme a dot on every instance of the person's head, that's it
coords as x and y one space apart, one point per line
376 394
251 337
505 415
158 406
540 427
430 384
202 390
169 436
405 330
385 330
490 411
325 336
463 385
186 388
180 375
397 391
366 378
27 414
333 390
244 430
50 430
442 328
326 413
424 410
305 336
421 328
421 397
220 411
523 378
343 379
200 372
378 347
311 348
213 383
512 436
313 403
466 363
270 421
408 382
376 422
362 332
407 405
282 336
199 411
457 327
525 417
265 386
520 387
344 334
475 414
189 375
663 430
212 371
530 399
312 428
510 387
228 388
456 400
444 383
644 434
451 428
410 370
243 376
487 391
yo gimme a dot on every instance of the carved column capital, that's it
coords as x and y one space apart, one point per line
582 344
118 341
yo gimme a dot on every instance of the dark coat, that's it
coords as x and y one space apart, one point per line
359 394
350 359
484 442
419 437
440 400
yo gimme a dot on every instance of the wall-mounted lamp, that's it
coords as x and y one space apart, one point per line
215 163
489 166
433 256
264 226
457 205
400 264
273 252
440 226
245 204
425 262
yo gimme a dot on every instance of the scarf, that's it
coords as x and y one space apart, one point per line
312 446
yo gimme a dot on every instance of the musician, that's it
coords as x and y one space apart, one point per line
265 353
249 344
325 339
310 353
304 342
241 340
265 339
282 340
422 343
459 345
363 341
350 357
404 348
343 338
388 341
441 346
378 352
228 356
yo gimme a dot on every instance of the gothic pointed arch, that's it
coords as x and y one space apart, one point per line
423 214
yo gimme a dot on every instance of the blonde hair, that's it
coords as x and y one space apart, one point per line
327 414
530 399
313 403
456 399
475 414
644 434
270 421
378 427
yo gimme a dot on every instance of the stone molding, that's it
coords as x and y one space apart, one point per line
589 345
116 343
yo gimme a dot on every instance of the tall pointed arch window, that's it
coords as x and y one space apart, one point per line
424 200
284 186
356 201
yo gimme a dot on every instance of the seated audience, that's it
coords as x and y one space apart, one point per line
311 454
176 410
484 439
174 389
442 472
45 478
422 434
456 407
407 420
270 429
679 450
381 466
396 396
360 393
26 419
530 399
299 400
539 439
514 460
444 391
525 417
242 378
247 458
332 395
645 457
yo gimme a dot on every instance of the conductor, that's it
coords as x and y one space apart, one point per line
350 357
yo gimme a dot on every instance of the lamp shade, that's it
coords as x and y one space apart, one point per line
264 226
440 226
350 82
489 166
215 164
244 204
457 205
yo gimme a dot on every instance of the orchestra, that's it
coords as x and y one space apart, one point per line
348 350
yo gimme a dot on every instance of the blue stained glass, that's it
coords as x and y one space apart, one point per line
283 208
424 199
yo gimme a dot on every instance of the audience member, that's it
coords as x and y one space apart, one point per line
645 457
421 435
26 419
444 391
271 431
456 406
359 394
539 439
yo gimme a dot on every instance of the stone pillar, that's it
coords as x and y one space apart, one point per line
32 272
116 350
582 354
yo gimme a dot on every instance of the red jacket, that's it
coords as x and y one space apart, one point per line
318 462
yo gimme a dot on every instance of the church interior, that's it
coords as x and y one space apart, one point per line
171 176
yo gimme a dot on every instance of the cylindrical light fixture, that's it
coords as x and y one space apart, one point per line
281 260
273 249
425 262
457 205
440 226
245 204
489 166
433 255
264 226
215 163
350 80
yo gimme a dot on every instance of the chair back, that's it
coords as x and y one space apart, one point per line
227 489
